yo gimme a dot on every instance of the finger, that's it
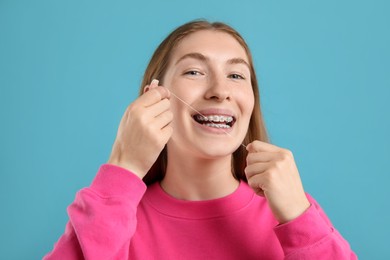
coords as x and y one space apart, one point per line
258 146
254 157
152 85
256 183
254 169
163 120
152 96
167 130
166 133
163 135
157 109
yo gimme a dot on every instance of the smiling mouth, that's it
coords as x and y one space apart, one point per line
215 121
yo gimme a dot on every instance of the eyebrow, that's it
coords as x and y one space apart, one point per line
201 57
193 55
238 61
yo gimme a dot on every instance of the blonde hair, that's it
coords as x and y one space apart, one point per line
156 69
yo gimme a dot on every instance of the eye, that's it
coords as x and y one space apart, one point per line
235 76
193 73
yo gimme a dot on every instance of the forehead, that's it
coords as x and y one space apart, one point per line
211 43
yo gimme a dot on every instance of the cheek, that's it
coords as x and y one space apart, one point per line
186 95
179 109
246 100
176 107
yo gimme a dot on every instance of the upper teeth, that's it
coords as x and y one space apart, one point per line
215 118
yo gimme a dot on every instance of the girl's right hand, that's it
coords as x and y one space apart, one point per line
144 130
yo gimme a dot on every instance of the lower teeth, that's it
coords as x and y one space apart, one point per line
217 125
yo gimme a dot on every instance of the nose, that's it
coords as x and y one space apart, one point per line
218 88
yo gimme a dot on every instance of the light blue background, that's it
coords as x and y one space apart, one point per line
68 70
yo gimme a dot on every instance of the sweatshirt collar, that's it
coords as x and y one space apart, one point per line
167 205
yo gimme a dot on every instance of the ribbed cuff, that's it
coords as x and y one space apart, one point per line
114 181
304 231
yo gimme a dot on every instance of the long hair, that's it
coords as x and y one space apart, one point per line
157 68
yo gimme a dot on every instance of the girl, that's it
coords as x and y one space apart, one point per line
192 175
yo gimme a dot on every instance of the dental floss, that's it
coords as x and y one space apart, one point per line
188 105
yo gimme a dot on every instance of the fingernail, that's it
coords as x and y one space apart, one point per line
154 82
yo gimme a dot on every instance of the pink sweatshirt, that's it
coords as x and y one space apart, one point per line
118 217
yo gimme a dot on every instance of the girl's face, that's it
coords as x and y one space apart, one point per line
209 70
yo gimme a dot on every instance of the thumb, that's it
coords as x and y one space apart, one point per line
153 84
259 146
250 148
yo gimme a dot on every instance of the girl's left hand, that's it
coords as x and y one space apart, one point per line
271 172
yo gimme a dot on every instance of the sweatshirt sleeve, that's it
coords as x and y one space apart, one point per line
312 236
102 218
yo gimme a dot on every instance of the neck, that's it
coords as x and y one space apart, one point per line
192 178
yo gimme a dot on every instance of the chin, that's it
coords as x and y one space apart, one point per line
214 151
